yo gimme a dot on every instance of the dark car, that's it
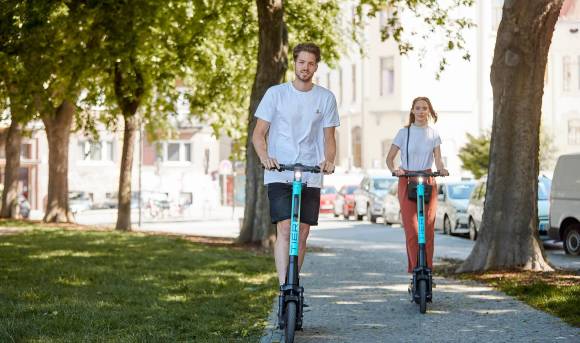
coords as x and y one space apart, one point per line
452 201
344 201
370 196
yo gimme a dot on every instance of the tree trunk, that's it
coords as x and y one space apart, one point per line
10 193
58 128
124 209
129 90
508 237
272 65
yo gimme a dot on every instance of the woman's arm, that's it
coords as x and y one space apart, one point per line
391 160
439 161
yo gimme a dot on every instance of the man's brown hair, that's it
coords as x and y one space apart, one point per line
308 47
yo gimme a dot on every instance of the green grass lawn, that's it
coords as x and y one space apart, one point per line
63 285
556 292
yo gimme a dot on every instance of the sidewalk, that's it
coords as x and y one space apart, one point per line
358 293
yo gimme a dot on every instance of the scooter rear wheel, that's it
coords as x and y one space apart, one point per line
291 314
422 289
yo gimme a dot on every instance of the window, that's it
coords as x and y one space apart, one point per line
26 151
110 154
95 150
574 131
176 151
578 71
173 152
187 156
385 15
567 74
387 76
353 82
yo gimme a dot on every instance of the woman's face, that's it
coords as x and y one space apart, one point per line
421 112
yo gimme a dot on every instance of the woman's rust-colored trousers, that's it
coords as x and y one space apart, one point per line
410 224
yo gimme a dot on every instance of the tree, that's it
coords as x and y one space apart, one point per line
45 78
150 48
475 154
11 90
508 237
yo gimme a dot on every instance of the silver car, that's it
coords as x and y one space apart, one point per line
368 198
391 207
452 201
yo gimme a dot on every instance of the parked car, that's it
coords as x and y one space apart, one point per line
544 187
327 197
369 197
452 201
564 219
344 201
79 201
391 207
112 200
477 199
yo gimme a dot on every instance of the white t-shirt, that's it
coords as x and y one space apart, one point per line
422 141
297 121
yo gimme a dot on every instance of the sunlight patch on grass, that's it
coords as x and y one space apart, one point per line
65 253
175 298
72 281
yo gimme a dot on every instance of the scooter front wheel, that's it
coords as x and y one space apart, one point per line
422 289
291 314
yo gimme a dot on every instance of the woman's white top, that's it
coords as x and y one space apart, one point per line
422 141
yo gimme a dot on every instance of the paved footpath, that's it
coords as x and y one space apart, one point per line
357 292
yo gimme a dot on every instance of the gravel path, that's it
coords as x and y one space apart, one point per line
359 294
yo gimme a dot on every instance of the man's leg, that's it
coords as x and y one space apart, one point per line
281 249
282 245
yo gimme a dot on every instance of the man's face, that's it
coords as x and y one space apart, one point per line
305 65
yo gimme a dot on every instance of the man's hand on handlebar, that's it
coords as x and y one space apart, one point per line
327 167
443 172
269 163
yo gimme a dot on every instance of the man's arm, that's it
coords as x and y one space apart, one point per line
327 165
260 145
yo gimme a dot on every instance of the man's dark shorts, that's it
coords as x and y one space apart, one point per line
280 195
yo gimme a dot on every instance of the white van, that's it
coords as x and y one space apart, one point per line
565 203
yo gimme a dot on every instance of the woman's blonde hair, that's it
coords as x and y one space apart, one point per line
432 112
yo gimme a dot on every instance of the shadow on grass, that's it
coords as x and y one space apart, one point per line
63 285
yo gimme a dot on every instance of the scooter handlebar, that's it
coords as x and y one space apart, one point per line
294 166
419 173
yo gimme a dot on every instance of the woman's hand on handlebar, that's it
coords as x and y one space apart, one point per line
269 163
443 172
398 172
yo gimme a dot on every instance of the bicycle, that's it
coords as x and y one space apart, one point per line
292 300
421 289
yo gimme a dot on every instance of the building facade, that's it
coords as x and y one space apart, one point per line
375 90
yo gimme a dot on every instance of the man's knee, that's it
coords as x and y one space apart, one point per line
283 229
